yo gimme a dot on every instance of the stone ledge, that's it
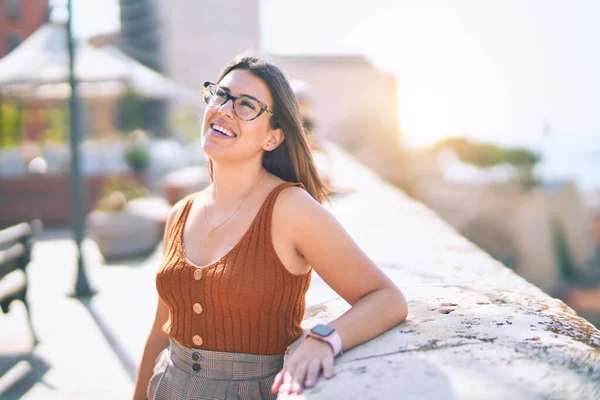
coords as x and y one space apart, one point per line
475 329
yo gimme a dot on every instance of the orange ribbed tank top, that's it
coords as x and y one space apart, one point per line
245 302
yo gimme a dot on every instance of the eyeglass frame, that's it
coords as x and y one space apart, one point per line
263 106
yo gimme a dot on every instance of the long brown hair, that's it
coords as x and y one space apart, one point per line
292 160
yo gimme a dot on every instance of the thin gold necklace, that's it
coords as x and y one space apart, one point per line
211 230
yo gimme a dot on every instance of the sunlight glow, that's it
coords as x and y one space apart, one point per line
91 17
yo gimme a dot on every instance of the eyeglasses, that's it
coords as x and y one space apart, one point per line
245 107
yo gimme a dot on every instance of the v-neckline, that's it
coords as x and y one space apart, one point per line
239 242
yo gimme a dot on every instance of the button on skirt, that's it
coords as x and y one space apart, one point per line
183 373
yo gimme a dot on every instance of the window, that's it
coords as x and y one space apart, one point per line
13 9
12 41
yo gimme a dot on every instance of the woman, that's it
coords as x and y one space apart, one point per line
239 256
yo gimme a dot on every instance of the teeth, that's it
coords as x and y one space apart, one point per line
222 130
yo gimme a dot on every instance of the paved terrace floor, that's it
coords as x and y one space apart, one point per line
475 329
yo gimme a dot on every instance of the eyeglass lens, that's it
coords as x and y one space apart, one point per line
244 107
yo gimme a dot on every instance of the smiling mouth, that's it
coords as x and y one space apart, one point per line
223 131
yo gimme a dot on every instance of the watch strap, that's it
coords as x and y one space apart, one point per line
334 340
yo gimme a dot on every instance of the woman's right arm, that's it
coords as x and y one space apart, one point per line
157 340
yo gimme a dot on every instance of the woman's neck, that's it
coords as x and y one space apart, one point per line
233 182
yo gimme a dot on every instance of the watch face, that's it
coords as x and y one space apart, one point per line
322 330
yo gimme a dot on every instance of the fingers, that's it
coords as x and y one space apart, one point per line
277 382
283 382
290 380
312 373
297 378
328 367
303 371
290 383
303 375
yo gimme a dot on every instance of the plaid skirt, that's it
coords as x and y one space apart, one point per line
182 373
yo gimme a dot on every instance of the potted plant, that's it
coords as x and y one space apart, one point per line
137 154
118 229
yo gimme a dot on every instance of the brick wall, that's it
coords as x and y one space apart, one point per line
30 16
45 197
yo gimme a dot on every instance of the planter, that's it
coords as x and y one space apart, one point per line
134 231
123 233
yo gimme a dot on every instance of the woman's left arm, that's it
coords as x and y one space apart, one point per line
377 303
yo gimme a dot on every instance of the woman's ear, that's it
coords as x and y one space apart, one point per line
275 138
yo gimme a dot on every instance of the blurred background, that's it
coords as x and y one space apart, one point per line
484 111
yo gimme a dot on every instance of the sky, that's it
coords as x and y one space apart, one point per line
505 71
93 16
502 71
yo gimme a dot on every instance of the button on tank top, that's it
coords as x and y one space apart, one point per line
245 302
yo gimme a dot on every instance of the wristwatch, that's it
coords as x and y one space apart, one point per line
328 335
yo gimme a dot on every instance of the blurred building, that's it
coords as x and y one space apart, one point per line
139 39
18 20
592 203
34 116
543 233
199 37
354 104
139 32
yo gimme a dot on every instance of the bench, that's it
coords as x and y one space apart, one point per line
16 243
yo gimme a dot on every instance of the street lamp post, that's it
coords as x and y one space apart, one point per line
82 285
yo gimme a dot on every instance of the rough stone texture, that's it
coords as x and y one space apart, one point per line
475 329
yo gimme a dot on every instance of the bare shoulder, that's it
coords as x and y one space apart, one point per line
178 206
295 206
171 219
293 197
174 211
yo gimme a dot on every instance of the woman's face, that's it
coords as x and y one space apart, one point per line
243 140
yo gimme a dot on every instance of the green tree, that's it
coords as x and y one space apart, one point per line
11 125
486 155
129 112
57 120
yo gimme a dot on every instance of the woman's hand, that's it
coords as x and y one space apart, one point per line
304 367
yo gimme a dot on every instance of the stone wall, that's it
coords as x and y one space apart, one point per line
475 329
